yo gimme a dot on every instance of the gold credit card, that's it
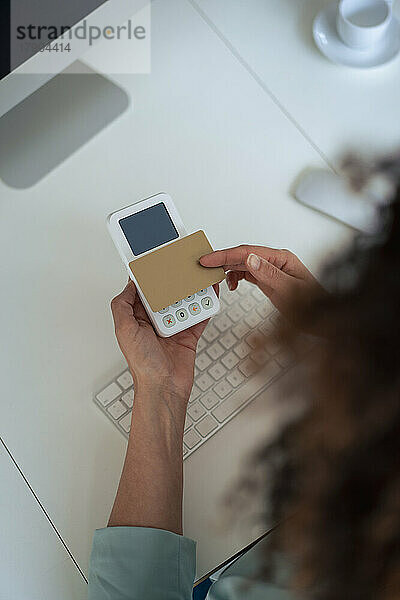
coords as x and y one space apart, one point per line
173 272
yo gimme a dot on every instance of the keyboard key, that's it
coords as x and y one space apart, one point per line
128 398
195 393
258 294
188 422
270 370
235 378
223 305
117 409
246 392
206 426
201 345
223 388
243 288
255 339
260 356
125 422
241 329
242 350
202 292
217 371
223 323
273 345
284 359
264 309
204 382
215 351
196 411
203 361
228 340
110 393
210 333
191 439
228 297
267 328
276 319
248 367
227 408
253 319
125 380
247 303
235 313
230 360
209 400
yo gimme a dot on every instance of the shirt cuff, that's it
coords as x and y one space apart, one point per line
132 563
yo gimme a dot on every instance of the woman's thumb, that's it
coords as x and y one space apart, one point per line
267 275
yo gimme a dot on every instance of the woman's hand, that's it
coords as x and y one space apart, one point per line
161 364
278 273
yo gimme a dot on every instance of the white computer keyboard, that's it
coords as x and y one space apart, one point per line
234 362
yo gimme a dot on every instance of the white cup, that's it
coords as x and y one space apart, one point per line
363 23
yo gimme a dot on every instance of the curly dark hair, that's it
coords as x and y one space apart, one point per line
333 474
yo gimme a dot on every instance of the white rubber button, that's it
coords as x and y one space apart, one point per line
207 302
169 320
194 308
182 314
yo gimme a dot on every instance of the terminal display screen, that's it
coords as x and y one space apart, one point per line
148 228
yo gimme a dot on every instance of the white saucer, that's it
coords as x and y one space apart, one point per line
330 44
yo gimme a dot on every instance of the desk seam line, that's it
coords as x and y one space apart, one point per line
236 54
43 509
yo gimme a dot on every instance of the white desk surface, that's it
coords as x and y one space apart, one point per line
33 563
201 127
337 107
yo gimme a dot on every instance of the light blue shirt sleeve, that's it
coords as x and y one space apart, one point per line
137 563
140 563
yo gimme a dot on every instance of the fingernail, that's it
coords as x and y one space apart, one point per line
254 262
229 282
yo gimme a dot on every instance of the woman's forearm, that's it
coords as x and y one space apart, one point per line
151 486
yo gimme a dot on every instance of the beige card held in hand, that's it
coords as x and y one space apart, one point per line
173 272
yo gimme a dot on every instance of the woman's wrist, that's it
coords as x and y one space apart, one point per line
160 402
150 491
162 387
158 423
